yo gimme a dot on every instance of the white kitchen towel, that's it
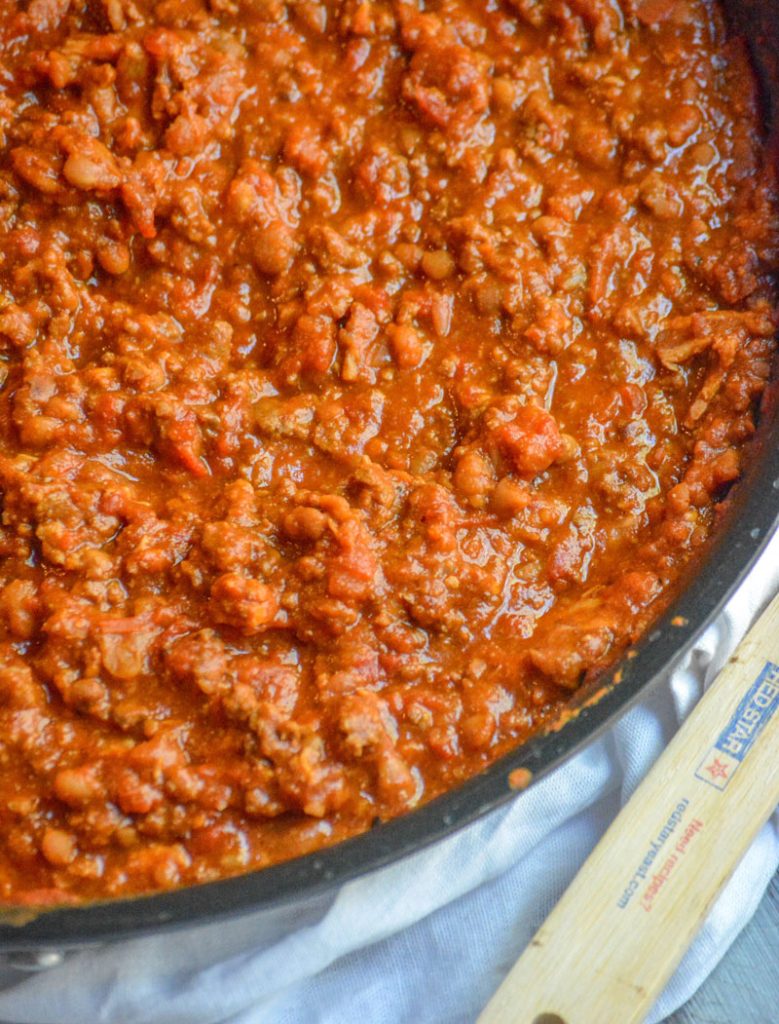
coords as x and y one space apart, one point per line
426 940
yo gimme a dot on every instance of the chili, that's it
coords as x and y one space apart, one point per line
372 372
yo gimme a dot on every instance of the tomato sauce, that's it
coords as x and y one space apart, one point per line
372 371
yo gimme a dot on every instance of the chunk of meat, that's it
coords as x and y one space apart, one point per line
247 604
530 440
370 730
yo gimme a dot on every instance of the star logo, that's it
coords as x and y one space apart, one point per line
717 770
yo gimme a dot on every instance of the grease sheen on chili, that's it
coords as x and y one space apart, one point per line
371 374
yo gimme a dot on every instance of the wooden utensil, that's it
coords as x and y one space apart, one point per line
608 948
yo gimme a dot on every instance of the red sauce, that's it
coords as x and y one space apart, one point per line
371 375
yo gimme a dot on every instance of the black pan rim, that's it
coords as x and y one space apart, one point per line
751 516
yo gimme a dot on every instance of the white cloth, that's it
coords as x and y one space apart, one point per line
427 940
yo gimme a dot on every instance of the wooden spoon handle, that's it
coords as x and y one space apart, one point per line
607 950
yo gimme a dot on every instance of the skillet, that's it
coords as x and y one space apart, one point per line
750 515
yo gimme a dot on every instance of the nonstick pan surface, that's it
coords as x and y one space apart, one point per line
751 516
